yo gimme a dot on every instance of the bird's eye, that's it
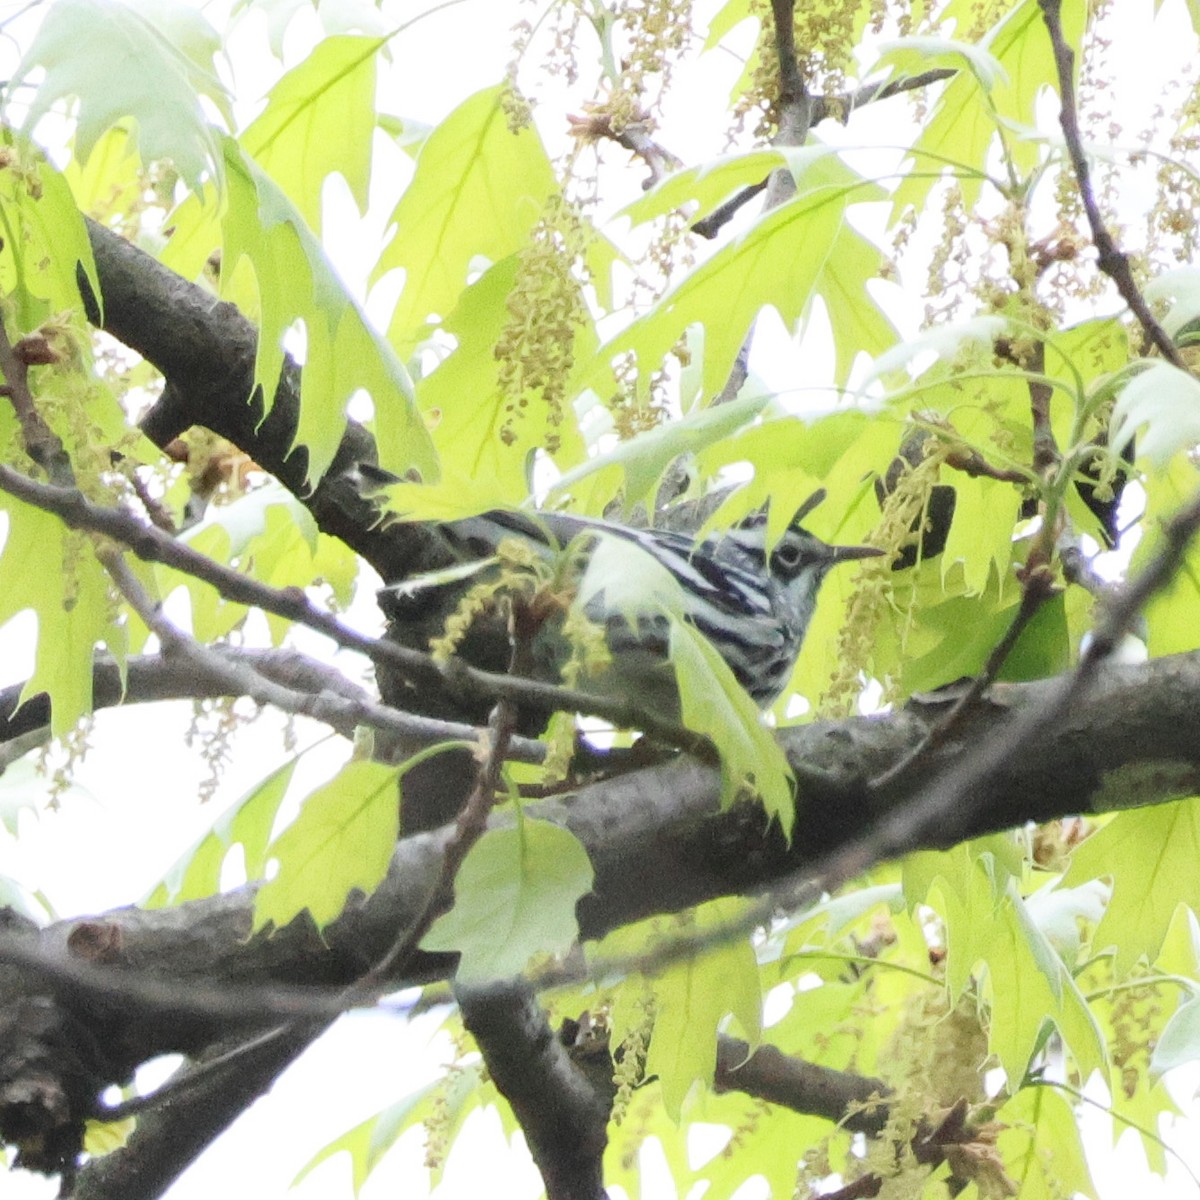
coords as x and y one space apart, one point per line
787 556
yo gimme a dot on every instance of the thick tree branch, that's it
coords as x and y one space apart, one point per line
563 1115
168 1140
205 350
658 841
855 1101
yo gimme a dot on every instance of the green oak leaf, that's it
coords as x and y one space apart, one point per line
1150 854
343 353
341 841
479 188
515 896
966 119
46 568
691 1000
148 61
318 121
247 823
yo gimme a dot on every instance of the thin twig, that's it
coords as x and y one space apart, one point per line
1110 259
971 462
152 545
821 108
710 226
150 678
1037 590
240 677
155 509
472 819
870 93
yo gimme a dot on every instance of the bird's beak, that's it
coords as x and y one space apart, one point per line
841 554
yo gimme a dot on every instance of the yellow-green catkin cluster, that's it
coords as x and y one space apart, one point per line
536 348
632 411
1174 231
60 756
904 511
629 1062
214 724
935 1057
521 571
654 33
825 37
1136 1018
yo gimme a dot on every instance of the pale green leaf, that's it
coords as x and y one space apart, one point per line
247 824
449 1101
341 841
965 119
1040 1145
1170 614
363 1142
103 1137
1150 854
152 65
515 897
270 536
54 242
1179 1042
916 54
945 342
23 789
45 568
691 1000
645 457
319 120
709 184
856 321
731 14
409 134
343 353
1028 984
778 261
715 704
1161 404
478 190
1179 290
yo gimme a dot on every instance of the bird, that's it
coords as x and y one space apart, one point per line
753 607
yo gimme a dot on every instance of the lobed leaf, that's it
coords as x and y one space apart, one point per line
515 896
318 121
341 841
479 188
343 353
151 62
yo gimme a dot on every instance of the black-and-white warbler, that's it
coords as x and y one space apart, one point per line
752 607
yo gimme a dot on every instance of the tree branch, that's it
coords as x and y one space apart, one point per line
150 678
563 1115
1111 259
659 842
153 545
856 1102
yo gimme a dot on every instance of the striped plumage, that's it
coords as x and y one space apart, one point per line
753 611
